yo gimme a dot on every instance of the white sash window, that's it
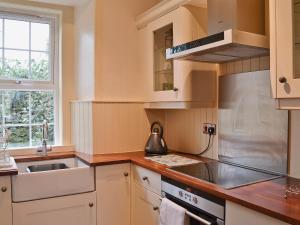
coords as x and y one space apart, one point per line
28 76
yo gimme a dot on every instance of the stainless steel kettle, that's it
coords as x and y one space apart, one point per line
156 144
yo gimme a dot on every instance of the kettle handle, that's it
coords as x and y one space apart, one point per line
160 127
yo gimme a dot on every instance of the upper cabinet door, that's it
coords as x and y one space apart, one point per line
175 80
285 35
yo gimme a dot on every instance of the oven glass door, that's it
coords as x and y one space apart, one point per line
192 221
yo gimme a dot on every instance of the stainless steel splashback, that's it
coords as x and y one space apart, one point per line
251 131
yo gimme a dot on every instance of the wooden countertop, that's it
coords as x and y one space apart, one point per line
265 197
29 158
13 170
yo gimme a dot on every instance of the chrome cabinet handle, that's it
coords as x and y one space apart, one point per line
145 178
91 204
126 174
282 80
3 189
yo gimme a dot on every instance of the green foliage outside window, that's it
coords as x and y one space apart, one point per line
23 112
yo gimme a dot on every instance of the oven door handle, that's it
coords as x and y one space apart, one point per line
201 220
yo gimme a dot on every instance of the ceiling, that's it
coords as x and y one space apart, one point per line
201 3
63 2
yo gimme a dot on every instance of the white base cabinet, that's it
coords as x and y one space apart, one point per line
146 190
145 207
77 209
237 215
113 194
5 201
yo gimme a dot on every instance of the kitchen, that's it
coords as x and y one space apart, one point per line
76 148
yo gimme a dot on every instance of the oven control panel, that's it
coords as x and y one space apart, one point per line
195 200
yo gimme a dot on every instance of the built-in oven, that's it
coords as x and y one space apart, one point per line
201 208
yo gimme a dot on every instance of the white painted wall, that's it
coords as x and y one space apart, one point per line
117 75
106 58
85 50
63 2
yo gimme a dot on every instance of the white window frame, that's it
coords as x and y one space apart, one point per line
53 17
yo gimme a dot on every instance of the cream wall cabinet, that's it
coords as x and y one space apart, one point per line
237 215
5 201
113 194
146 191
175 80
74 209
285 51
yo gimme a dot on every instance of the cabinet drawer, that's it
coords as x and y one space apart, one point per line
147 178
77 209
145 206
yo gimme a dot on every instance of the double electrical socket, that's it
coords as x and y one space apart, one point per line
206 126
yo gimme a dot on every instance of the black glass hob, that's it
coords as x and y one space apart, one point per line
225 175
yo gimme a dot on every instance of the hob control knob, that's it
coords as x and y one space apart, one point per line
180 194
195 200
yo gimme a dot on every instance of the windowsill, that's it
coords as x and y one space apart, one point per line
33 150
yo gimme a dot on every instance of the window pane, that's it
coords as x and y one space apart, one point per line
1 33
16 107
19 137
1 107
16 34
39 66
40 36
16 64
1 63
42 107
37 135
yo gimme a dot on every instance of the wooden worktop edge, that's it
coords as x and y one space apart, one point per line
137 158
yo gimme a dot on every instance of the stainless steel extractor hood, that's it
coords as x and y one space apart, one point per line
230 45
232 35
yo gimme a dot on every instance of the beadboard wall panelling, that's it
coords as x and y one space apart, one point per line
244 66
82 131
119 127
184 130
154 115
106 127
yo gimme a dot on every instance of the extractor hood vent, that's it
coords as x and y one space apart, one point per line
230 45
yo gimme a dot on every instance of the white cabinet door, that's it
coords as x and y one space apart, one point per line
237 215
5 201
113 194
145 206
285 48
68 210
189 81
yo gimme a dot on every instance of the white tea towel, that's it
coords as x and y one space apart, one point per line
171 213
